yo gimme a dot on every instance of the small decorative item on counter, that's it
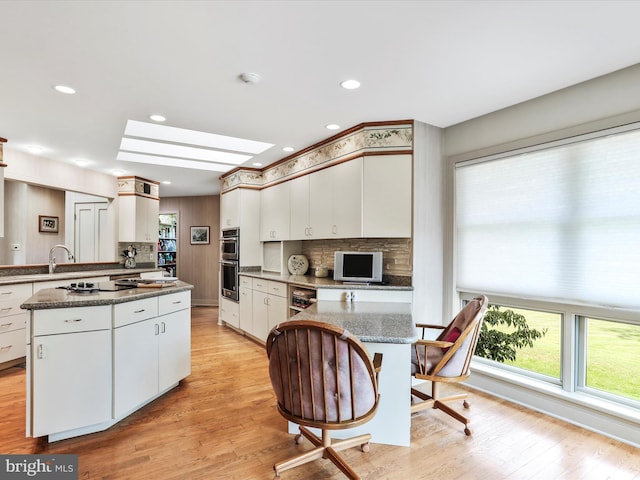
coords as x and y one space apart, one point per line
322 272
129 257
298 264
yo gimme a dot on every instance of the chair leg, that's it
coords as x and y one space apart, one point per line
434 401
324 448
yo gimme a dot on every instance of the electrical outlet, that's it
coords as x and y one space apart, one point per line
15 246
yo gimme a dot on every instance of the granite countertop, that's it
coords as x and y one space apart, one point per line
374 322
322 282
60 298
45 277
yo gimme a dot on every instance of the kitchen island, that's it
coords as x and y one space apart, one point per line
95 358
387 328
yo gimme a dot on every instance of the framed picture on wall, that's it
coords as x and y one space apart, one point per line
48 224
199 235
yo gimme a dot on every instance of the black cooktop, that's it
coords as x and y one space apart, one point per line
90 287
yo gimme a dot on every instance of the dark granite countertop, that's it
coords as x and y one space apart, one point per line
375 322
60 298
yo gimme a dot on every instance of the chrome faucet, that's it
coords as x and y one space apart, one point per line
52 259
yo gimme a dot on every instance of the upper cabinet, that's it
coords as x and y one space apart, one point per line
240 208
366 197
2 165
138 210
387 196
274 213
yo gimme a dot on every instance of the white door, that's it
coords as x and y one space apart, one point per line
90 228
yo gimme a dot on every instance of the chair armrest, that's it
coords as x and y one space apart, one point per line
426 325
434 343
377 362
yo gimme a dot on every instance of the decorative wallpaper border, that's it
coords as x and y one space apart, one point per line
135 186
370 138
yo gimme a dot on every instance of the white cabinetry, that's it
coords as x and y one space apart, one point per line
386 196
246 304
241 208
229 312
269 303
138 219
274 213
151 348
71 369
327 203
13 321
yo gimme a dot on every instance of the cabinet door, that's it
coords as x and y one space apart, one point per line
260 327
151 216
229 208
229 312
346 207
174 352
246 309
321 203
387 196
299 208
71 381
274 213
277 311
135 360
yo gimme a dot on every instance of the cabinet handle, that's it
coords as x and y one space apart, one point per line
6 309
157 329
139 311
5 348
73 320
311 231
334 229
6 325
6 293
164 327
177 302
40 352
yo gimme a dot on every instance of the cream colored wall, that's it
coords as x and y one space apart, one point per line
197 264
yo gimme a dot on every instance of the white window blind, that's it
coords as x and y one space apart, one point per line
561 223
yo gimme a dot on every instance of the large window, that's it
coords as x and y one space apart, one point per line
553 233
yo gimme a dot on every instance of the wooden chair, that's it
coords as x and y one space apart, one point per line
447 358
322 377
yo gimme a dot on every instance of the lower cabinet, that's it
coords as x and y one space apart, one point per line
150 354
71 369
269 304
229 312
13 322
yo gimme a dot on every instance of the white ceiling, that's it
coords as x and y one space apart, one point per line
439 62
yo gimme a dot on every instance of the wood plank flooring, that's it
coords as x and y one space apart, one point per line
221 423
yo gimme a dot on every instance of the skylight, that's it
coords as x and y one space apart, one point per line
179 147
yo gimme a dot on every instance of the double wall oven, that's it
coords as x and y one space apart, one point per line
230 263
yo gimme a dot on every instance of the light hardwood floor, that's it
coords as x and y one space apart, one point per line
221 423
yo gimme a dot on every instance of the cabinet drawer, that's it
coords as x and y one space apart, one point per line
174 302
12 296
260 285
66 320
14 322
277 288
12 345
132 312
246 281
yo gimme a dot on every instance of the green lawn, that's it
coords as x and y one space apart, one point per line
613 353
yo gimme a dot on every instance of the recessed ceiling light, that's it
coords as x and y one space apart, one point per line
333 126
64 89
82 163
34 149
350 84
166 182
288 149
256 164
117 173
157 118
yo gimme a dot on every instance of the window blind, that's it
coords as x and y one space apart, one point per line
559 223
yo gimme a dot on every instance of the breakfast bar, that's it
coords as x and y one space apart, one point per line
387 328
